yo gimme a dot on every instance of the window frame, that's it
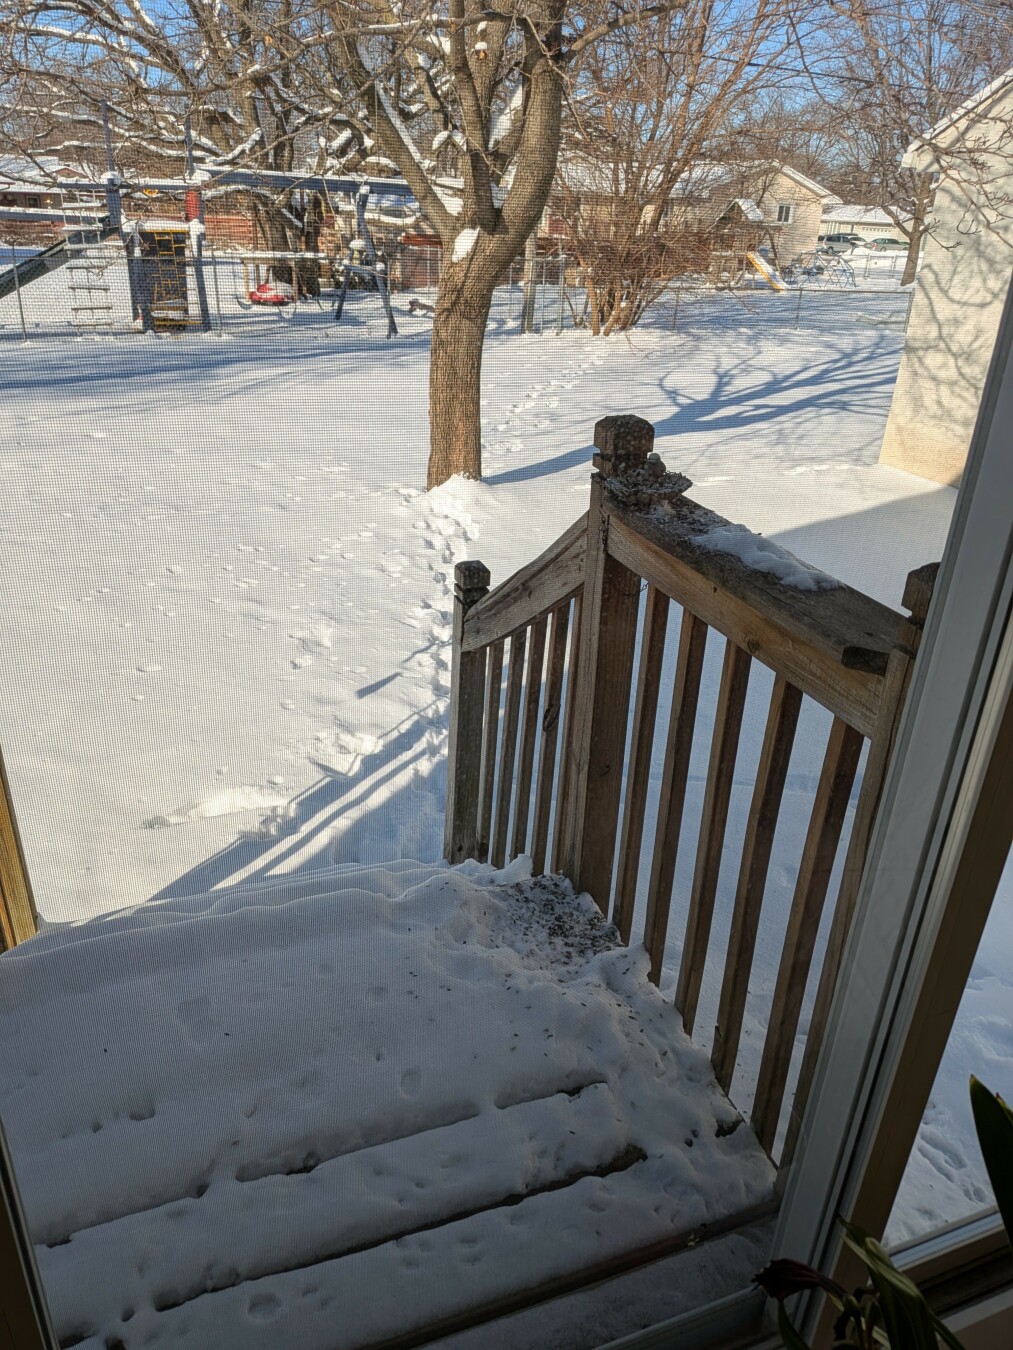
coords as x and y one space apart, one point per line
788 219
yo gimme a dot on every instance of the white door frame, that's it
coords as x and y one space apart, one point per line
936 855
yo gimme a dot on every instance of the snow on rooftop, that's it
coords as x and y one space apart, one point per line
236 1117
857 215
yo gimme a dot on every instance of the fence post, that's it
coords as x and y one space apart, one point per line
467 698
218 294
604 673
798 308
18 916
562 290
17 289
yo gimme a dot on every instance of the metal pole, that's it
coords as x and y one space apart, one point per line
562 290
17 291
675 308
541 299
798 308
218 296
530 282
510 294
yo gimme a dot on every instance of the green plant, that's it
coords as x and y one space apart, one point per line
890 1312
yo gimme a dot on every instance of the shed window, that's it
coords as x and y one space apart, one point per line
785 212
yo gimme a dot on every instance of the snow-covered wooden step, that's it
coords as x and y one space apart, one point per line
233 1117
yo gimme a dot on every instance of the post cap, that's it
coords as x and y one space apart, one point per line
471 580
918 591
622 443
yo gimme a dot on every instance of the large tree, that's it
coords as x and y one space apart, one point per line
466 100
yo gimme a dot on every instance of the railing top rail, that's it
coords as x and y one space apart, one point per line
850 627
552 578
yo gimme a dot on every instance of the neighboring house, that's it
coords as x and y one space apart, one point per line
27 185
740 207
966 265
871 222
754 204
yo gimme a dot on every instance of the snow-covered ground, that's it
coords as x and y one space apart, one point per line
226 598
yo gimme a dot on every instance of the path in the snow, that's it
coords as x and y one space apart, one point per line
321 1114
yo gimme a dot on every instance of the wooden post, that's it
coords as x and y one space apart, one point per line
917 595
605 673
467 698
18 917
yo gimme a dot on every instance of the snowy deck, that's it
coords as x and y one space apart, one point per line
337 1110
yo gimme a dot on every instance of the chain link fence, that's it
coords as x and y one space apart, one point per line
92 288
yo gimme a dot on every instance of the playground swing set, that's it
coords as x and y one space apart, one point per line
161 254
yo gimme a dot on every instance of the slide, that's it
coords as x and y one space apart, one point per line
766 271
40 264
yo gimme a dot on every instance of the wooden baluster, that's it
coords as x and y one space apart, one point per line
604 675
678 748
917 595
564 789
508 747
18 916
717 794
645 711
550 736
490 736
782 719
467 696
825 824
529 733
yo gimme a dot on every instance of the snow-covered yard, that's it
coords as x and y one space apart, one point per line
226 606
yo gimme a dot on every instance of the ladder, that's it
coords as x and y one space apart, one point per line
91 303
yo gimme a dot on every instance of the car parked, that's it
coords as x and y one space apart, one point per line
838 243
886 242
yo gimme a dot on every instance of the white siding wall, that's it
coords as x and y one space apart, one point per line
966 267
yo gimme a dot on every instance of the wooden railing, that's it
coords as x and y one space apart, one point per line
18 917
538 760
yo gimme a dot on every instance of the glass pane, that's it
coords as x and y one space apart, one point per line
945 1181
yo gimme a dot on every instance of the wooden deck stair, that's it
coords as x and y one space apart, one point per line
330 1139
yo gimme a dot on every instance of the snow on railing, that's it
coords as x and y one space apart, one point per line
538 761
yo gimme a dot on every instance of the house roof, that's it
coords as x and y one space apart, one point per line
968 111
857 215
17 172
585 173
704 178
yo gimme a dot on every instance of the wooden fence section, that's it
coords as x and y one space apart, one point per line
547 669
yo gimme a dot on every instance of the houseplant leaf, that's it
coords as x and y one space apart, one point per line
908 1320
993 1122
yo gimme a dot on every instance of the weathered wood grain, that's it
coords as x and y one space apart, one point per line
552 578
840 764
529 736
508 748
713 821
548 749
645 711
18 917
678 748
776 624
490 739
772 771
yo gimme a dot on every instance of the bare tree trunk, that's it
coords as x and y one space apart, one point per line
919 216
455 371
